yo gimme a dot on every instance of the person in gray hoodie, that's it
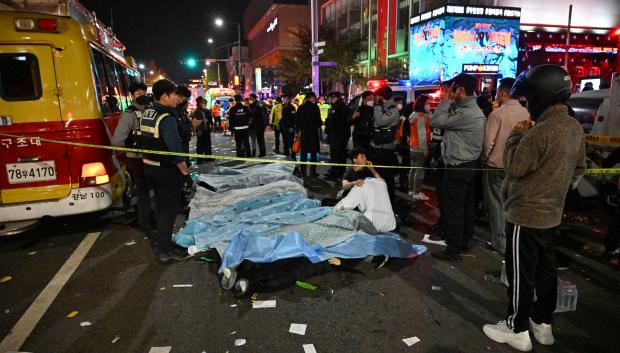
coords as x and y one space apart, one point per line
463 124
543 158
386 117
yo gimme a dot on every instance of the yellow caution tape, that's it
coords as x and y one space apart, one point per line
603 140
263 160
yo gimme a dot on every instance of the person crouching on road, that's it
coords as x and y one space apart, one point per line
164 173
127 134
240 117
543 158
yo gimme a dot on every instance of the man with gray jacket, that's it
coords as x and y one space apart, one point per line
386 117
542 161
126 135
463 124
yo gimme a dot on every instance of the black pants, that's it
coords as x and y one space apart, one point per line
287 140
203 146
612 240
242 142
382 156
338 154
277 133
135 167
260 140
217 121
305 149
530 265
167 184
459 206
441 197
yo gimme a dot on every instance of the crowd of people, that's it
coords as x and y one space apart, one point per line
521 158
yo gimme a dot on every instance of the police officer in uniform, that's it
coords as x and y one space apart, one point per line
338 130
165 174
240 117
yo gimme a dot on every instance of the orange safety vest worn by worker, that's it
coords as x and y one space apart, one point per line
419 131
215 111
400 131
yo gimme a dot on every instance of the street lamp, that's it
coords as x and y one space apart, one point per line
210 40
219 22
151 72
141 66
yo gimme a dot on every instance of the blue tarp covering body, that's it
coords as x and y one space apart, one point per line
283 225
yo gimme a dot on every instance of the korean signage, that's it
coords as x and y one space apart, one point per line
467 10
455 39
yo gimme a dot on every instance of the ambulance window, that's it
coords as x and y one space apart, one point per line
101 83
19 77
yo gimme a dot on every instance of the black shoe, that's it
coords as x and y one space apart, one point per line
445 256
276 151
467 247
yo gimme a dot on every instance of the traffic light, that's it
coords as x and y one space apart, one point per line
191 62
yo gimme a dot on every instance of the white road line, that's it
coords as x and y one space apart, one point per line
22 329
160 349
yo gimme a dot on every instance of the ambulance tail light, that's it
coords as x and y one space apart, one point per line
93 174
36 25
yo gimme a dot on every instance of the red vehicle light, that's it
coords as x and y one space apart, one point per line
374 84
47 24
94 174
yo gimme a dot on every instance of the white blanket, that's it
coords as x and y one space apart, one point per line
373 200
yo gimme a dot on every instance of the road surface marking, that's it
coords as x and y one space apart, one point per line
160 349
22 329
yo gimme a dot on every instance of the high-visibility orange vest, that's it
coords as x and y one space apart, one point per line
215 110
418 118
400 131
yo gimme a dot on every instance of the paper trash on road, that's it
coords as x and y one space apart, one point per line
239 342
435 288
73 314
411 341
130 243
427 239
232 333
116 339
298 329
263 304
182 285
32 253
6 279
309 348
85 323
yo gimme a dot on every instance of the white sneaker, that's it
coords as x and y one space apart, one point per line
502 334
420 196
542 333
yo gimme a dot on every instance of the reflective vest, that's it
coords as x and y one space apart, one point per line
420 126
152 140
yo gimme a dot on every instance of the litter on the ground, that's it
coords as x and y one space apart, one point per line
162 289
130 243
239 342
298 329
182 285
232 333
562 268
73 314
263 304
469 255
32 253
435 288
207 259
309 348
7 311
116 339
233 305
85 323
6 279
427 239
567 296
305 285
411 341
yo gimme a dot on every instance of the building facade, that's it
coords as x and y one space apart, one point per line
267 27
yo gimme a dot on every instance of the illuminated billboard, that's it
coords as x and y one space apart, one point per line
448 44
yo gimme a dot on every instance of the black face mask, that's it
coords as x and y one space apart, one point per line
143 100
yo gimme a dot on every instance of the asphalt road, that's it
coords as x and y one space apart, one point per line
129 298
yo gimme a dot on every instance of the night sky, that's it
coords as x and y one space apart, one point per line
169 31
